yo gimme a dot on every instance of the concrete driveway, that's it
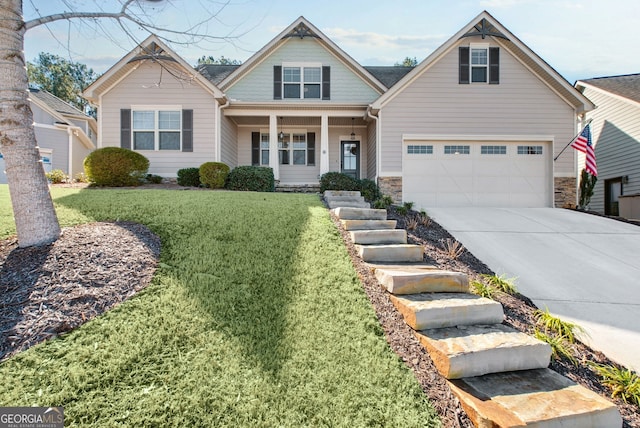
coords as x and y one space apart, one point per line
584 268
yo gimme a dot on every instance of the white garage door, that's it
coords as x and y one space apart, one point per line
479 174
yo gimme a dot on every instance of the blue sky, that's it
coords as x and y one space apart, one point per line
580 39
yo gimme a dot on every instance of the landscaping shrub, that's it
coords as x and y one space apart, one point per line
383 202
152 178
56 176
189 177
369 190
253 178
81 178
214 174
338 181
115 166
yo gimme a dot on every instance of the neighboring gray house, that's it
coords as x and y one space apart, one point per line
615 131
65 135
477 123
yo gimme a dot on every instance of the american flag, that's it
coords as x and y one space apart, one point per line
584 144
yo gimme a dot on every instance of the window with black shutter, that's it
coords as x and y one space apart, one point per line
311 148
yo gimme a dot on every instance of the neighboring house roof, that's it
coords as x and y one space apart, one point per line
151 49
626 86
389 75
56 103
486 25
301 27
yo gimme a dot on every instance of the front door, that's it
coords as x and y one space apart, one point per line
350 158
612 190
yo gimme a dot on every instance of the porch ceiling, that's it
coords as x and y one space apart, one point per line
300 121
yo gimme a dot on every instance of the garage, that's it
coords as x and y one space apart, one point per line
488 173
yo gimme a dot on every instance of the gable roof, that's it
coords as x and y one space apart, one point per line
486 25
301 27
151 49
56 103
626 86
216 73
388 75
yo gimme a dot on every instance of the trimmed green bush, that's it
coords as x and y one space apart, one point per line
214 174
338 181
252 178
56 176
189 177
115 166
369 190
154 179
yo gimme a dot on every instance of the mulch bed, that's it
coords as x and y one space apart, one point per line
46 291
518 314
51 289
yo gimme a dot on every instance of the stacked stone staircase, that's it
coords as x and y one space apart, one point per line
499 374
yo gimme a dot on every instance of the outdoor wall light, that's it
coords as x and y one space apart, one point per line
353 134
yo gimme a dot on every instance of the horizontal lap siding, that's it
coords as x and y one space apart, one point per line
58 141
79 153
139 88
346 87
436 104
615 131
229 144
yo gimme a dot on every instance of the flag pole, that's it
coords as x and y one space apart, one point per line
573 139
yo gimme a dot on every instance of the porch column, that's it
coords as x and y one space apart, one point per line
324 144
273 146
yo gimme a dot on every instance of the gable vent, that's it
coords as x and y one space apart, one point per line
302 31
484 28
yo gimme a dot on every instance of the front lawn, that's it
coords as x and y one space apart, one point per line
255 318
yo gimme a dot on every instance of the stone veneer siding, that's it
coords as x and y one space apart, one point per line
565 192
391 186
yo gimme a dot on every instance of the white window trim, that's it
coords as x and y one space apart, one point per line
290 133
156 138
264 132
478 46
301 66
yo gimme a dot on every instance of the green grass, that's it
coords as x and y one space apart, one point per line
502 283
483 290
255 317
622 382
560 346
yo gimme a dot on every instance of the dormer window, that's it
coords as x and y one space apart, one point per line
301 81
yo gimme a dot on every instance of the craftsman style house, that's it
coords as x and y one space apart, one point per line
477 123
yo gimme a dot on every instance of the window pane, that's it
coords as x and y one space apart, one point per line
299 157
169 119
143 141
478 74
529 150
312 74
478 56
292 90
264 157
312 91
144 120
291 74
284 157
456 150
169 141
493 150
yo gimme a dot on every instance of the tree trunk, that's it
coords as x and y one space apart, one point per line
35 217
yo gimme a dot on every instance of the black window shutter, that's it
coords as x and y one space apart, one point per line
255 148
326 83
277 82
463 61
494 66
311 148
125 128
187 130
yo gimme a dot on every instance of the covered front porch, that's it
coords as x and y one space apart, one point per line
298 143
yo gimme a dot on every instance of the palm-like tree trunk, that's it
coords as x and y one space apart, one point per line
35 217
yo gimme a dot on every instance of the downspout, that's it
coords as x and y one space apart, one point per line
219 126
375 118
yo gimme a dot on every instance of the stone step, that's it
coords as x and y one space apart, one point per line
331 193
356 213
439 310
403 280
345 198
540 398
390 253
368 224
344 204
390 236
467 351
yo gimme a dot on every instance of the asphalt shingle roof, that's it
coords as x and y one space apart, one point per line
55 103
216 73
627 86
